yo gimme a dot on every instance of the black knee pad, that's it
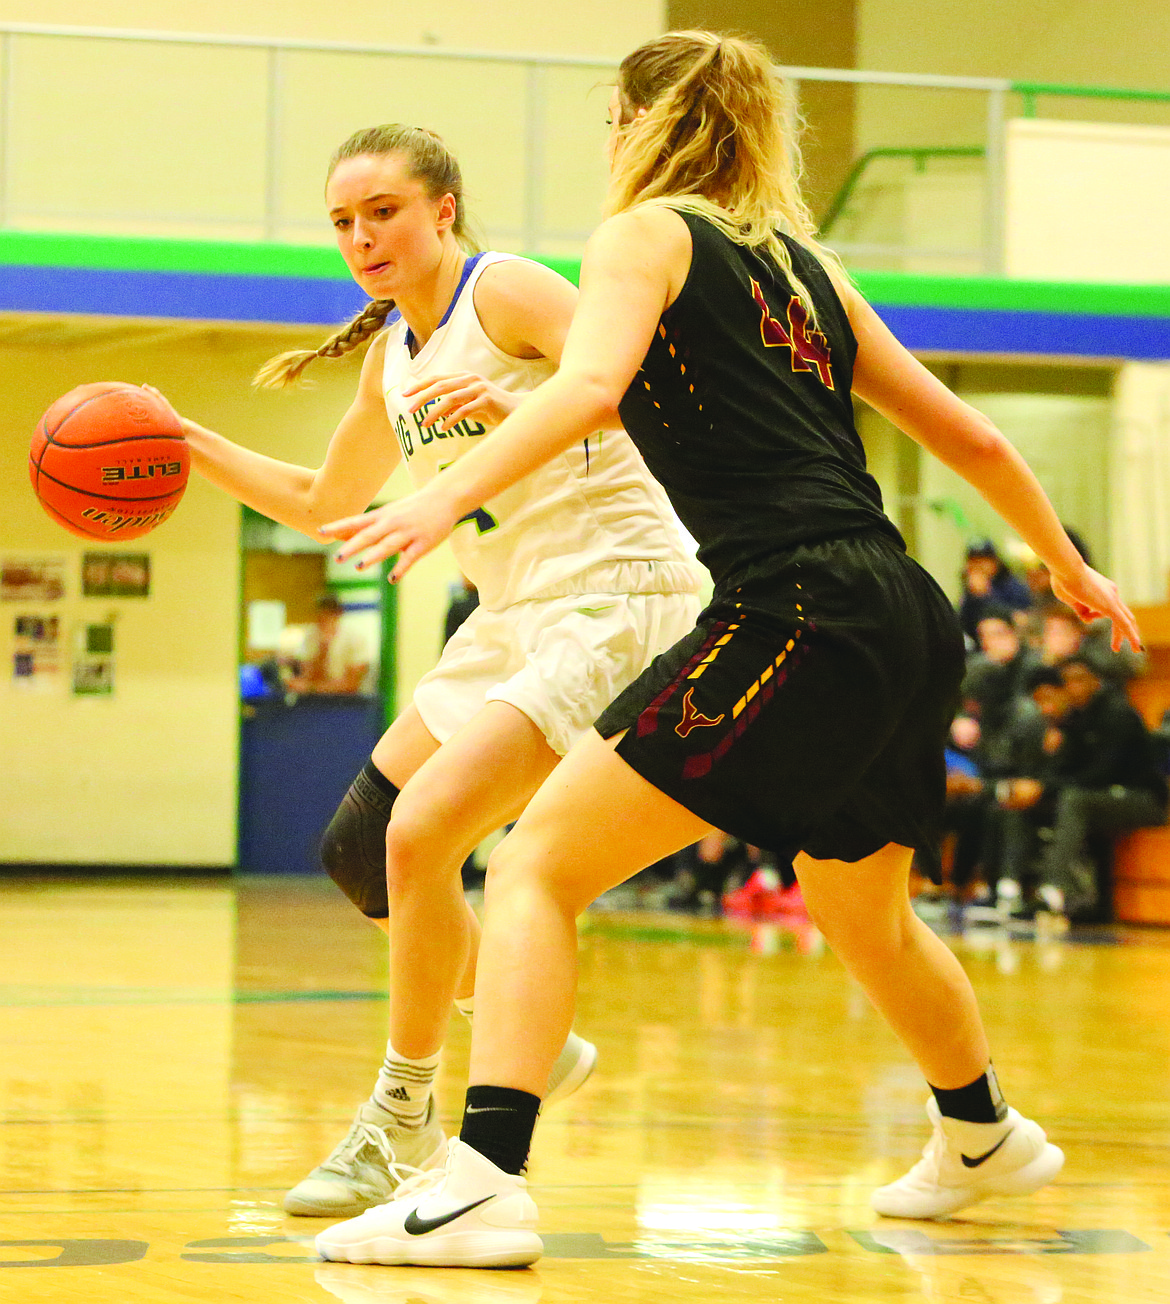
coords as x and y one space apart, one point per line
353 848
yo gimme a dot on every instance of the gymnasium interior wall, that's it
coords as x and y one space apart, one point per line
164 747
821 35
148 775
606 27
1114 43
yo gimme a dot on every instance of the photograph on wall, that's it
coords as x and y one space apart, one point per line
115 575
32 579
93 661
36 657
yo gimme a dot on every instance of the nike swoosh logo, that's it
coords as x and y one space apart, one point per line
974 1163
487 1109
413 1225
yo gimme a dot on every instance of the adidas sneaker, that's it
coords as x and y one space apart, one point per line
574 1064
376 1155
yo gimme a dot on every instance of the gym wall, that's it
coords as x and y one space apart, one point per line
148 776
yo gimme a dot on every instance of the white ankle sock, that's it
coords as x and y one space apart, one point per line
404 1085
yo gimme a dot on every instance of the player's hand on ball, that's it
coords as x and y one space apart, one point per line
411 527
162 398
458 396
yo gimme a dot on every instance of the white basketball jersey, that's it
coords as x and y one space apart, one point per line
593 504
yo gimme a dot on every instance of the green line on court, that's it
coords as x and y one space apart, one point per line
11 998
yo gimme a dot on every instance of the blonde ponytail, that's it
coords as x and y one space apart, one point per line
704 131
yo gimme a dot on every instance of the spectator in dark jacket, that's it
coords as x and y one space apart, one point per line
1105 779
994 696
987 581
1025 794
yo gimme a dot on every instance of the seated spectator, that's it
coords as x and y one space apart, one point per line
703 871
1039 582
994 694
1064 635
987 581
336 658
1103 779
1023 801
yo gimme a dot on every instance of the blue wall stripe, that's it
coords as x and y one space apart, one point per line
1068 334
312 301
187 295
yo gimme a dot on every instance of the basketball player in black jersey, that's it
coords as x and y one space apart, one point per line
807 711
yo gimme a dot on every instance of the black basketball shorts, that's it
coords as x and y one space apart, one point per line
808 710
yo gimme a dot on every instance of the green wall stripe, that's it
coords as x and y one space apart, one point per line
219 257
323 262
975 292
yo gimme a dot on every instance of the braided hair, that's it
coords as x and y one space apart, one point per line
429 161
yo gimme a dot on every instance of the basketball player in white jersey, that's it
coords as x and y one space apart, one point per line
583 577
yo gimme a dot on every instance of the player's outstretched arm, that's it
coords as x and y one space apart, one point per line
894 382
361 455
630 268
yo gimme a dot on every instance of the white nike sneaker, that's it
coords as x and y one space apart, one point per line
574 1064
376 1155
469 1215
947 1179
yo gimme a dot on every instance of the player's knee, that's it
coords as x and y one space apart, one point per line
410 853
353 848
521 864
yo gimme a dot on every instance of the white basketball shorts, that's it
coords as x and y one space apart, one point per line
559 659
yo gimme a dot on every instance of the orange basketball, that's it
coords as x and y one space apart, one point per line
109 461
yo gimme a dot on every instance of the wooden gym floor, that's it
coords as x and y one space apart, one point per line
177 1054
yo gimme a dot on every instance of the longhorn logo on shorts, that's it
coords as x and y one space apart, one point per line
693 719
810 349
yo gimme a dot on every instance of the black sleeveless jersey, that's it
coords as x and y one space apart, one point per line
743 413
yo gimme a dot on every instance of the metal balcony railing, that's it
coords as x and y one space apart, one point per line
521 138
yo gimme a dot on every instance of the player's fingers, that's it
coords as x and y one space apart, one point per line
406 559
372 546
379 551
363 540
456 414
422 385
1125 627
441 411
345 527
421 393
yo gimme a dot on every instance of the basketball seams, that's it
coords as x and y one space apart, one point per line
130 422
85 402
51 436
105 443
66 522
110 498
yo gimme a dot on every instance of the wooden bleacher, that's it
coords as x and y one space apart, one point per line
1141 860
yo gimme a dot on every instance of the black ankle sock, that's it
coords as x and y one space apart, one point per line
980 1101
499 1122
